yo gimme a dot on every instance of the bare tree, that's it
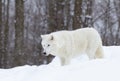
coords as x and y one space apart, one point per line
68 14
60 14
77 20
6 36
117 6
1 44
19 31
88 13
52 16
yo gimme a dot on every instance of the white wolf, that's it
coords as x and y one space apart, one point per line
69 44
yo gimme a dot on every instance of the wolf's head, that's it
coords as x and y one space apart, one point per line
48 44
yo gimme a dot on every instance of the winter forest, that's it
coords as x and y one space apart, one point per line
23 21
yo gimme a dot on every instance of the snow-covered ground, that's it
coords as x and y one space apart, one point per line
80 69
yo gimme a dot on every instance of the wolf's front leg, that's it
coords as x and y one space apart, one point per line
64 61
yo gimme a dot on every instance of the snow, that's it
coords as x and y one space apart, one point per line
80 69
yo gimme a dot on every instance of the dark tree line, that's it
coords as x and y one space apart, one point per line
23 21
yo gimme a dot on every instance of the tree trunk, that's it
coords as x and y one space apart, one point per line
67 16
1 44
117 8
52 24
19 31
6 36
60 14
77 20
88 15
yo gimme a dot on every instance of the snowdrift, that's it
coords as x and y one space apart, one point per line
80 69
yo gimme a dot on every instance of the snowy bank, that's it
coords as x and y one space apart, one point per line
80 69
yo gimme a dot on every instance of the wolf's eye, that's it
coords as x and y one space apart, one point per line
48 45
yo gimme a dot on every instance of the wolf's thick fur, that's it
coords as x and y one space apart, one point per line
69 44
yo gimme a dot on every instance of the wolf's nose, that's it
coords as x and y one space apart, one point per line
44 53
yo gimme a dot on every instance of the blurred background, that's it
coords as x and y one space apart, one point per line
23 21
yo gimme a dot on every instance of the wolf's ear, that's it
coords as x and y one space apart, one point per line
42 36
51 37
